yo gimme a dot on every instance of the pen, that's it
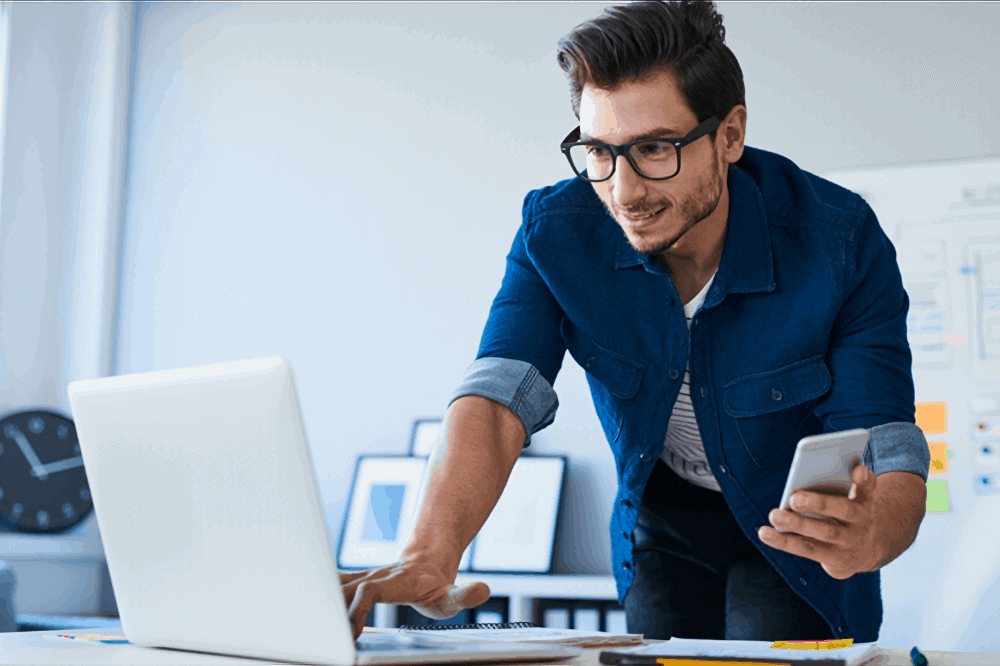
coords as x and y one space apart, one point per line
917 658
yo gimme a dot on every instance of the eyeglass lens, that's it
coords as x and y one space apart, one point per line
655 159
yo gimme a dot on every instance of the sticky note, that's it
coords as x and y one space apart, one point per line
932 416
939 457
827 644
937 495
702 662
97 638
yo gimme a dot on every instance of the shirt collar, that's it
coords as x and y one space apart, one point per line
746 265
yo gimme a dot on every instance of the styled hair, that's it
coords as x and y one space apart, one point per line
630 43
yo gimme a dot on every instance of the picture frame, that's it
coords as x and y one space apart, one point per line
519 535
424 435
381 512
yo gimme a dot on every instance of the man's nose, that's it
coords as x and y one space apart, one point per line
629 186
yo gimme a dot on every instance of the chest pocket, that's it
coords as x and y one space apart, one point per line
771 407
614 379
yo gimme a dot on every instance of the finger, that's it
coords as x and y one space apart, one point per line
831 506
355 579
794 544
348 576
366 596
824 531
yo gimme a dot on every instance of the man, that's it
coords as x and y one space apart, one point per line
724 304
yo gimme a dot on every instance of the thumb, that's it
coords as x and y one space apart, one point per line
459 598
864 481
471 595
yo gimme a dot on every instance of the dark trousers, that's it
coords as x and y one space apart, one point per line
698 576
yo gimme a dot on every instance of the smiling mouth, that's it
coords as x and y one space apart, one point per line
644 218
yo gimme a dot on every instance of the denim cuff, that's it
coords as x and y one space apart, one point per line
897 447
514 384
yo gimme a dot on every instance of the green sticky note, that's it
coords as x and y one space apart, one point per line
937 495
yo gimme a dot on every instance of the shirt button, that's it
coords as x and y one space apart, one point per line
645 457
803 581
701 391
626 564
674 373
624 534
722 468
775 395
840 629
626 504
590 361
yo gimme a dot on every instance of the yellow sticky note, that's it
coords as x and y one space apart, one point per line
932 416
702 662
939 457
937 495
829 644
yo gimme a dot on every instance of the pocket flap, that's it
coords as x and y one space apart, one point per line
619 374
766 392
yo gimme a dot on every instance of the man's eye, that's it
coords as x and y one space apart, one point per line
652 149
597 152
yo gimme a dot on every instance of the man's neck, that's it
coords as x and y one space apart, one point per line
693 259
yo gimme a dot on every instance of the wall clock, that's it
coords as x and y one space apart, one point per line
43 486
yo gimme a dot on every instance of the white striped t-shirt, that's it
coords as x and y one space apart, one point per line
683 450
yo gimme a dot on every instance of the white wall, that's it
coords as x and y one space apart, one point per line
339 184
64 80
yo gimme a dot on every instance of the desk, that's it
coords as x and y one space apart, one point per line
42 648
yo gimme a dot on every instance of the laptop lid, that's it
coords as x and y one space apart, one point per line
207 504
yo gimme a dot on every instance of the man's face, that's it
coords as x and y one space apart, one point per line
679 203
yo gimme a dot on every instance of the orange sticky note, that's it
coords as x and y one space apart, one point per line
932 416
939 457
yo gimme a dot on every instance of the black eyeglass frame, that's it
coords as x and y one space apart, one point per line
571 140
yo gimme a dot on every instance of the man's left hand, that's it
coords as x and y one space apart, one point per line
859 535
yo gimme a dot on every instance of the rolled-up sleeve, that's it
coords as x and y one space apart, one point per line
515 384
869 357
521 349
898 447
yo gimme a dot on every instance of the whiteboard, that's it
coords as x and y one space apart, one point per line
944 220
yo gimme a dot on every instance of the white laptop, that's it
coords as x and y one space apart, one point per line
212 526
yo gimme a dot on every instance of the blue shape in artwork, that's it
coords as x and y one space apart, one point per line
384 507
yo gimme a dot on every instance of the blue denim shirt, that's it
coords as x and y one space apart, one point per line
802 332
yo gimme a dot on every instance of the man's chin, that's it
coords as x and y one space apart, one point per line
650 245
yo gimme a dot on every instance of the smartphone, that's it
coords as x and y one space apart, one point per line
823 464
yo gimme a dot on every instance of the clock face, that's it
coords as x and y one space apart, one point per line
43 487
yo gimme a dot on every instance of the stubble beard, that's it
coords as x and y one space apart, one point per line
692 210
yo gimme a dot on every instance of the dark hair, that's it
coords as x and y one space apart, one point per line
631 42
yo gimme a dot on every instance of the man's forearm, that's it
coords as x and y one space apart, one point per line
479 443
901 501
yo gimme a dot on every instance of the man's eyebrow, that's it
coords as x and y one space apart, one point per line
651 134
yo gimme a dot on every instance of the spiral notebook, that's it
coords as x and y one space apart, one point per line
518 632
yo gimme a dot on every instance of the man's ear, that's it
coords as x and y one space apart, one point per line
732 132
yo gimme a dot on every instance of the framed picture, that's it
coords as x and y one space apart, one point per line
381 512
520 533
425 432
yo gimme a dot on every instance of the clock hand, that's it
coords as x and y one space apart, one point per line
37 468
60 465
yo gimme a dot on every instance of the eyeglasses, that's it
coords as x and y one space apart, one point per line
655 159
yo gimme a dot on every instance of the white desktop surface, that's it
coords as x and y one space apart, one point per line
42 648
46 648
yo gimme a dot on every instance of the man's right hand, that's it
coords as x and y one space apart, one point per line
413 581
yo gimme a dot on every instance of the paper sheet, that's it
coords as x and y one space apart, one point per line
685 647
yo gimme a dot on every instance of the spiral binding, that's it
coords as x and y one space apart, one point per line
484 625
